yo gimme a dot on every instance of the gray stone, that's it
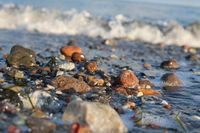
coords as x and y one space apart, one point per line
20 56
99 117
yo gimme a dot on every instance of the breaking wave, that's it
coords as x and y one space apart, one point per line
73 22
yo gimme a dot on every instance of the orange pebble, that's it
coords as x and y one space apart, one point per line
69 50
149 92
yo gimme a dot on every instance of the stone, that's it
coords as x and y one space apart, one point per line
94 81
69 50
99 117
147 66
128 79
78 57
67 66
146 84
20 56
91 67
170 80
170 64
42 100
109 42
67 84
40 125
15 73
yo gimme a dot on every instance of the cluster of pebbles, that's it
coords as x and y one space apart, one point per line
69 93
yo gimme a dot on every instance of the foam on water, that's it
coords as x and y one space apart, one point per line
73 23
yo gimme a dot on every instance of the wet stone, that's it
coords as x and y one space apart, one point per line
91 67
20 56
68 84
99 117
170 64
69 50
94 81
78 57
40 125
144 83
170 80
128 79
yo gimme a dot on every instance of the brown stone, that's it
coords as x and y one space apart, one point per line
69 50
170 64
128 79
94 81
40 125
121 90
144 83
66 83
91 66
147 66
78 57
171 80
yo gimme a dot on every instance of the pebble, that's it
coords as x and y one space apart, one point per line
121 90
69 50
99 117
66 84
145 84
147 66
40 125
59 73
188 49
67 66
193 58
170 80
42 100
128 79
170 64
94 81
109 42
78 57
80 128
20 56
91 67
15 73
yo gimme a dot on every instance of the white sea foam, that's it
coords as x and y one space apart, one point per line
73 22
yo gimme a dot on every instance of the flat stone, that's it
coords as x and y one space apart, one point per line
99 117
66 84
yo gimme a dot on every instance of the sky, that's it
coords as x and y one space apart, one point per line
195 3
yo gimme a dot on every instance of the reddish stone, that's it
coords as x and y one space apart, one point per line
13 129
91 66
78 57
128 79
66 83
77 128
69 50
121 90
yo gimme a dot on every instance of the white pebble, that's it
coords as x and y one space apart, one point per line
140 94
59 73
67 66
